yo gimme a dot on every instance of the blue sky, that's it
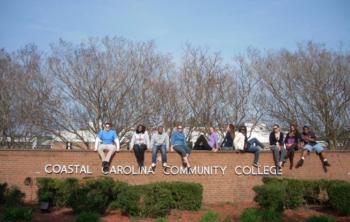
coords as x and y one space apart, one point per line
226 26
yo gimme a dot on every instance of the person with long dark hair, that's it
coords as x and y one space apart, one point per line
139 143
252 145
277 145
227 143
292 143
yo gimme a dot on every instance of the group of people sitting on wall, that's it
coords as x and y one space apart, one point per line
283 148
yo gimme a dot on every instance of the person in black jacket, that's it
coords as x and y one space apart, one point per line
276 144
292 142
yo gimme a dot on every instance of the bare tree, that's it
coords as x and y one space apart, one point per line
26 103
310 86
106 80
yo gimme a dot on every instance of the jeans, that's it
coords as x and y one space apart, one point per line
254 149
256 142
314 147
162 149
183 150
139 150
227 148
278 155
290 154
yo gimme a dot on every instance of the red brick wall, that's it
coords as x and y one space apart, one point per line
16 165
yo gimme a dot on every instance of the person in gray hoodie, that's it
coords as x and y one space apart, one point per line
159 142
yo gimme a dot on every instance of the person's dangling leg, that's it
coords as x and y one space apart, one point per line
275 153
137 151
163 152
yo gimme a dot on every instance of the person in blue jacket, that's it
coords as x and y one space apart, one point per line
178 143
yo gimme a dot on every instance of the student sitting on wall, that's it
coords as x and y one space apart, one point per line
252 146
227 143
159 142
309 143
178 143
211 144
139 143
104 141
292 142
277 145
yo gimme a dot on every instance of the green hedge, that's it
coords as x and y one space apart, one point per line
56 191
11 196
322 218
17 214
278 194
157 199
260 215
97 195
87 217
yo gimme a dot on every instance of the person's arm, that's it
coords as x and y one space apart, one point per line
167 141
172 143
117 144
216 141
271 139
132 142
97 142
286 139
147 140
152 139
280 141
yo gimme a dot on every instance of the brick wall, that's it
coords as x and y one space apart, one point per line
16 165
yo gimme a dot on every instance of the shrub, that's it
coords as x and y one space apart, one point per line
157 201
269 180
186 196
294 194
56 191
13 197
250 215
3 188
322 218
154 200
17 214
210 216
260 215
87 217
339 197
270 196
270 215
93 196
128 201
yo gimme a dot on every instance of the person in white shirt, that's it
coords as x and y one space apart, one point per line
159 142
139 143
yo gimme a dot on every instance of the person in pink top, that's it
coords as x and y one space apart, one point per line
211 144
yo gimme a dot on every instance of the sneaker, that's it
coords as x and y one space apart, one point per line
153 168
105 170
283 163
256 164
326 163
300 163
188 169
